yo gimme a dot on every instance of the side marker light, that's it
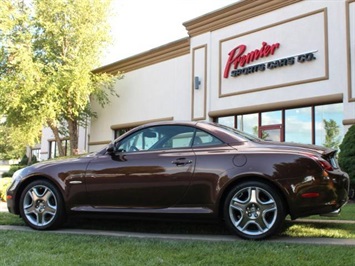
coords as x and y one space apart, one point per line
310 195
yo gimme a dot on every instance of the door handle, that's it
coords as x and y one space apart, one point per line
181 162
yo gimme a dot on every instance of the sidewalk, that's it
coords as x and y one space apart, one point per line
3 206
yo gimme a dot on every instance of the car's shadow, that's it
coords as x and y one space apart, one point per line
298 228
147 226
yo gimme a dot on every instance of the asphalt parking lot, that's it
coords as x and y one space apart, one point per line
179 237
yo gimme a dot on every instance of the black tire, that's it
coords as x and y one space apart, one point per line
42 206
254 210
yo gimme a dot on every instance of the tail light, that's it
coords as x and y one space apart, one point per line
323 163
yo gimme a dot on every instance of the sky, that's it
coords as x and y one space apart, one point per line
141 25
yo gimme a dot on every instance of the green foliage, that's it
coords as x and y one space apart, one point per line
347 153
264 134
19 80
33 159
12 142
4 185
12 170
24 160
332 139
48 51
23 163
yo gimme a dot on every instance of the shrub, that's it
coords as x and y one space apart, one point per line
34 159
4 185
23 163
347 154
24 160
12 170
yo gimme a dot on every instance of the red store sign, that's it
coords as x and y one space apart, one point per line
238 60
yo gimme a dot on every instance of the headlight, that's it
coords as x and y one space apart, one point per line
16 177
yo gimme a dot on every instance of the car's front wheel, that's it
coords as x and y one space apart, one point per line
41 205
254 210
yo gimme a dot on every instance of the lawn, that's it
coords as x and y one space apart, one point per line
319 226
34 248
46 248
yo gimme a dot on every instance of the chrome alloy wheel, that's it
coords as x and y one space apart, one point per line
253 211
40 205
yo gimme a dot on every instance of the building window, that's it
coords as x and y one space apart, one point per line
120 132
320 125
329 125
35 154
227 121
271 118
248 123
298 125
53 148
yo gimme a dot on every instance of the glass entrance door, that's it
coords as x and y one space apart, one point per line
271 132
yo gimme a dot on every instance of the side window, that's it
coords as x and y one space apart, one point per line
182 140
140 141
203 138
158 138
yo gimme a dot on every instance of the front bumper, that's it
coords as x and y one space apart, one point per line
11 203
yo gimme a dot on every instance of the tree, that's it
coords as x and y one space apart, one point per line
332 139
264 135
48 51
19 76
347 153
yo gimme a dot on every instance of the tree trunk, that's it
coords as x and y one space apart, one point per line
73 136
53 126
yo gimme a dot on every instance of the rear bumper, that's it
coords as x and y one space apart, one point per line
321 195
335 213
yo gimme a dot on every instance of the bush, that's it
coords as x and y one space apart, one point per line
13 169
23 163
347 154
4 185
34 159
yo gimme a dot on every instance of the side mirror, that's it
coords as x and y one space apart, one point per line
110 149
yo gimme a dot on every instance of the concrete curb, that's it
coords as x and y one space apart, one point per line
183 237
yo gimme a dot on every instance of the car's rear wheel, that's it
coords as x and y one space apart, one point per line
254 210
41 205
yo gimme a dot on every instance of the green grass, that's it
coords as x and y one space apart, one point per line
319 230
320 226
48 248
347 213
10 219
34 248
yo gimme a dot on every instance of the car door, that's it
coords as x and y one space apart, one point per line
151 168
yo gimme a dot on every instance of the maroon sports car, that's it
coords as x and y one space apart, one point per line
185 170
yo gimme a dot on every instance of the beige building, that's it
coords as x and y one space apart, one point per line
280 69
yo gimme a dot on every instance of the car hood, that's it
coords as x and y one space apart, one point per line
60 165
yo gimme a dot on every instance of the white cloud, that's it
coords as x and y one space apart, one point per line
140 25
